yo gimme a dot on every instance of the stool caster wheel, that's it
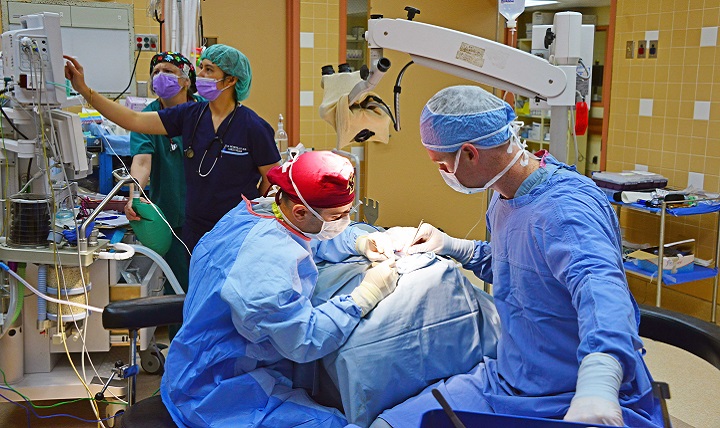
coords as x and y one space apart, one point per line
152 361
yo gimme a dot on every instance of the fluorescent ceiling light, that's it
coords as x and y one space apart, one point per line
533 3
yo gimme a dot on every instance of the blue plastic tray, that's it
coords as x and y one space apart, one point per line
439 419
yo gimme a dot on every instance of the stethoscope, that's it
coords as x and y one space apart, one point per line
190 153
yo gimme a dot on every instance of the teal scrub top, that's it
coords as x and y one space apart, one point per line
167 174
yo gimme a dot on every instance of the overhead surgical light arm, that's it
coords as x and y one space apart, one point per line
480 60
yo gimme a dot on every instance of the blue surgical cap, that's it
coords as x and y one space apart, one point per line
233 62
465 114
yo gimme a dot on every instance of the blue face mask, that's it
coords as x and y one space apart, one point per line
207 88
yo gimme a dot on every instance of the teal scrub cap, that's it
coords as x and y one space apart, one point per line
232 62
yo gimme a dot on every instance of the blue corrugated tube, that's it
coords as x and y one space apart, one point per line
42 287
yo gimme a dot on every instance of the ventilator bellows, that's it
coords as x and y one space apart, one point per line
29 220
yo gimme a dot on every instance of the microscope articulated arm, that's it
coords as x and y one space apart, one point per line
484 61
474 58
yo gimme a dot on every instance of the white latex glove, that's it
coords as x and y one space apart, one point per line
376 246
597 391
595 410
401 237
429 238
378 283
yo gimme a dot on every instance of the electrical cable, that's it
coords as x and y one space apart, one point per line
29 165
145 195
81 332
13 125
29 410
9 387
587 71
397 89
131 78
54 145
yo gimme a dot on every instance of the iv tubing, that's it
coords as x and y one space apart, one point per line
163 265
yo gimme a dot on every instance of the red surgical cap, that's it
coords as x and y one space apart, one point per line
324 179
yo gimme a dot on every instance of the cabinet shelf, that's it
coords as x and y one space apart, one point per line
703 206
530 140
699 273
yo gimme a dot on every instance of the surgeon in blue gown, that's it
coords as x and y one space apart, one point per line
248 316
569 345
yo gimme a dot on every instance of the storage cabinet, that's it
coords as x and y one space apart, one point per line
355 52
704 207
131 279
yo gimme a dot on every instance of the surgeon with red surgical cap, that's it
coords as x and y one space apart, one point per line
248 314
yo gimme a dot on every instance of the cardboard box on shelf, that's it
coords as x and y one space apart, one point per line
677 257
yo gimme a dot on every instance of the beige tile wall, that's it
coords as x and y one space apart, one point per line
321 18
671 141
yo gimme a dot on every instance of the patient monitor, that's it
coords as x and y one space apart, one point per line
73 155
32 59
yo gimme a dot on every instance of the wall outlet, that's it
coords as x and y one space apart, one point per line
146 42
642 49
652 48
630 49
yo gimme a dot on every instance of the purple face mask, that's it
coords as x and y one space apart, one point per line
207 88
166 85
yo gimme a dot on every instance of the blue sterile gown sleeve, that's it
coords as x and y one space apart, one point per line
247 316
561 293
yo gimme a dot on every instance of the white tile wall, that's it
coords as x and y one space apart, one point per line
307 40
708 36
646 107
702 110
696 180
306 98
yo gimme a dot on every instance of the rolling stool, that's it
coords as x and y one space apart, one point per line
133 315
694 335
691 334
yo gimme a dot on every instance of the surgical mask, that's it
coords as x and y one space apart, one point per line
329 229
166 85
452 180
207 88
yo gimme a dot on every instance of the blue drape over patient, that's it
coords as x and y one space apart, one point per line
436 324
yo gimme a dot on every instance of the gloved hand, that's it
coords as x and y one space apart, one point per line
378 283
596 395
595 410
430 238
401 237
376 246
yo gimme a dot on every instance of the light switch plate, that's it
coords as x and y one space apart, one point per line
630 49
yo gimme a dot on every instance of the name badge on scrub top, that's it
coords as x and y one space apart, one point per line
234 150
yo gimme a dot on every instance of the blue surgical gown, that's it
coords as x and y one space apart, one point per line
561 293
247 317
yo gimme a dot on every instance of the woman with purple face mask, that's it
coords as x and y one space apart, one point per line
159 159
227 148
